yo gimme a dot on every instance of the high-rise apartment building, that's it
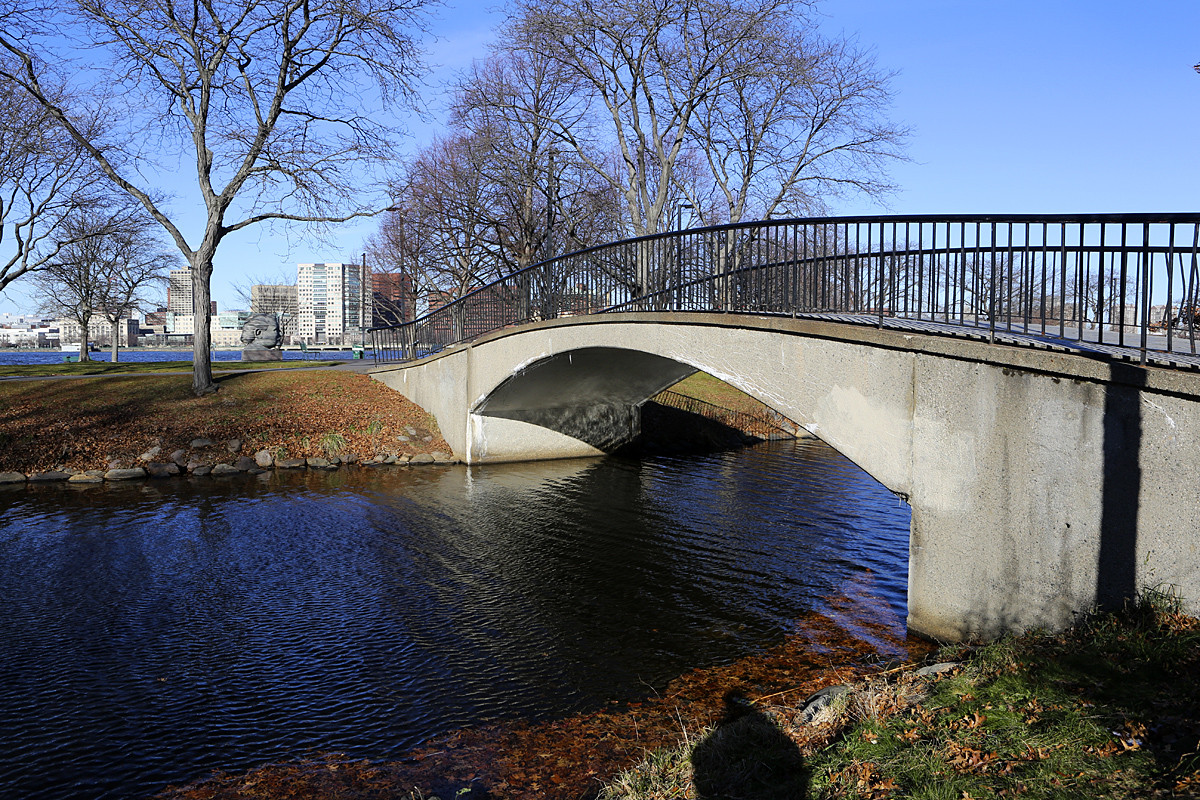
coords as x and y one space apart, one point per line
179 291
332 306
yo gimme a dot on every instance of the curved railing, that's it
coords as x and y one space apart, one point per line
1107 280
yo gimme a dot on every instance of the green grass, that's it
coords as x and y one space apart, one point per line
1109 709
703 386
141 367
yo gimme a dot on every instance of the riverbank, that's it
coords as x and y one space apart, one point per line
142 422
1109 708
574 757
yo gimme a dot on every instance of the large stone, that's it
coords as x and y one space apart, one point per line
422 458
124 474
291 463
83 477
443 458
180 457
234 446
199 443
201 470
319 463
150 454
52 475
225 469
159 469
12 477
245 463
263 459
194 465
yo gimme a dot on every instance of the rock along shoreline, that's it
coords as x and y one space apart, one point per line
195 461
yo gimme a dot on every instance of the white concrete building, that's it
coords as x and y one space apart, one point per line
99 330
331 303
225 330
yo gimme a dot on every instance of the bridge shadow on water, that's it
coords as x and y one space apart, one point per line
747 756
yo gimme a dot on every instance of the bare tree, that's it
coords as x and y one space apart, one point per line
647 66
443 224
805 121
512 102
109 260
137 263
43 180
271 102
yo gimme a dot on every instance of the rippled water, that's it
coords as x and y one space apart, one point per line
153 632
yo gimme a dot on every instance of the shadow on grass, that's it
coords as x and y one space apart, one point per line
747 756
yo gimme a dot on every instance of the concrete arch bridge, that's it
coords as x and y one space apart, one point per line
1048 453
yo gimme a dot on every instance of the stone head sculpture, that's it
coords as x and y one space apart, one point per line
261 332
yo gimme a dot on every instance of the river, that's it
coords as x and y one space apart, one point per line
33 357
155 631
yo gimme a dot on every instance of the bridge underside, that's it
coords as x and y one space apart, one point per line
592 395
1041 484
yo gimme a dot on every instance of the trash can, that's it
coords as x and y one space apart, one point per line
357 350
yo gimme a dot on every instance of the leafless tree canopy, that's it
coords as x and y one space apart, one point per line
272 105
109 260
738 107
44 178
594 120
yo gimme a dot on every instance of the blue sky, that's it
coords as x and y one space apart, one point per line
1030 106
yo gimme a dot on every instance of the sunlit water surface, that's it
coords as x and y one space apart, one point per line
52 356
154 631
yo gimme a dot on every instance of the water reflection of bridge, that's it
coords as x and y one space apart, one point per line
1009 377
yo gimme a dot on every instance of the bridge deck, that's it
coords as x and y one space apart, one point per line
1157 354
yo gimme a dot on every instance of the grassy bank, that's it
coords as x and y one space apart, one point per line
1110 708
708 389
91 423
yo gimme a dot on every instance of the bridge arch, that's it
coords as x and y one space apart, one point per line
1041 483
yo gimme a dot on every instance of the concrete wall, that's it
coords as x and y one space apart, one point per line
1041 483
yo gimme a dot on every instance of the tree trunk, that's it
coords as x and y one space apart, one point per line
114 343
83 340
202 378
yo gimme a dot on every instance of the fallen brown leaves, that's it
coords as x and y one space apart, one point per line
89 423
571 758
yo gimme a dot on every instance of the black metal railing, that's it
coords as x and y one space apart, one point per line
764 423
1126 280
